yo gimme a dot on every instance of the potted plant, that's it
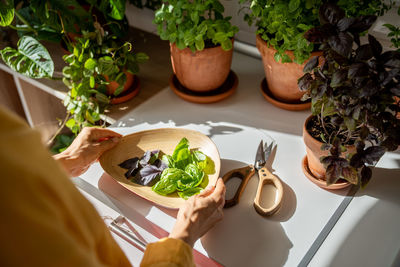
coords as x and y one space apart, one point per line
201 41
54 21
353 120
101 70
280 39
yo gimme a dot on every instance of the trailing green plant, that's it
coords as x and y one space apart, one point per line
197 24
53 20
352 93
282 23
394 33
97 58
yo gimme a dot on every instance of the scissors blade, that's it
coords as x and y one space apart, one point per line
268 150
260 155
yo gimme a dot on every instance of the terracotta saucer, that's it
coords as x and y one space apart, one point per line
320 182
301 105
128 94
222 92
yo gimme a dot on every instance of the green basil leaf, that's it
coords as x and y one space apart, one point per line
190 192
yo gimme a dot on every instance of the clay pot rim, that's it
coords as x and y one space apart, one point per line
128 94
320 182
288 52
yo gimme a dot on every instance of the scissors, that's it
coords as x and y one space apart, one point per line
265 177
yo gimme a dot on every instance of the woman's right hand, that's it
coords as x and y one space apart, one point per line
199 214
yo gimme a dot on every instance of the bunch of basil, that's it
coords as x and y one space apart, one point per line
185 171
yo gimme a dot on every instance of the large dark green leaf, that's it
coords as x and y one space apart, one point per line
31 59
6 12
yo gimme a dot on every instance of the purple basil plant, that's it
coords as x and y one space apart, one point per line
353 87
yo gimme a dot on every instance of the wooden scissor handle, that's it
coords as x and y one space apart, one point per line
265 177
244 174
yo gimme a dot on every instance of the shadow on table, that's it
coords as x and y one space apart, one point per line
245 238
375 238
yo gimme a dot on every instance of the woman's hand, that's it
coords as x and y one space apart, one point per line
86 149
199 214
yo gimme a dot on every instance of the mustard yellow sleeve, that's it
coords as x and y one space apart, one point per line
168 252
45 220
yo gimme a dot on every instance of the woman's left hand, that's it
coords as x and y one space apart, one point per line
87 147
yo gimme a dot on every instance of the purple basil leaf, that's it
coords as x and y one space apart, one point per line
132 171
333 172
393 63
305 82
328 159
366 174
389 76
330 13
311 64
149 157
160 164
373 154
344 23
148 175
396 90
376 47
369 89
350 174
338 78
341 60
357 160
357 70
390 144
319 34
322 89
341 43
388 55
363 52
362 24
129 163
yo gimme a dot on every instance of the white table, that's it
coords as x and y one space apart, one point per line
244 238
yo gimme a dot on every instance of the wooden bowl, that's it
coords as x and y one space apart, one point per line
165 139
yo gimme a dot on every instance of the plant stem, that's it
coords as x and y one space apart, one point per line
322 119
25 22
59 129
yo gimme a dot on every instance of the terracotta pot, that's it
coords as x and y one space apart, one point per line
314 152
113 85
202 70
282 77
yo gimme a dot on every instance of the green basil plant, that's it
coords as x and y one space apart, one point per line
197 24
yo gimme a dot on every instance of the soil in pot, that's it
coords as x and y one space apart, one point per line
282 77
203 70
311 165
